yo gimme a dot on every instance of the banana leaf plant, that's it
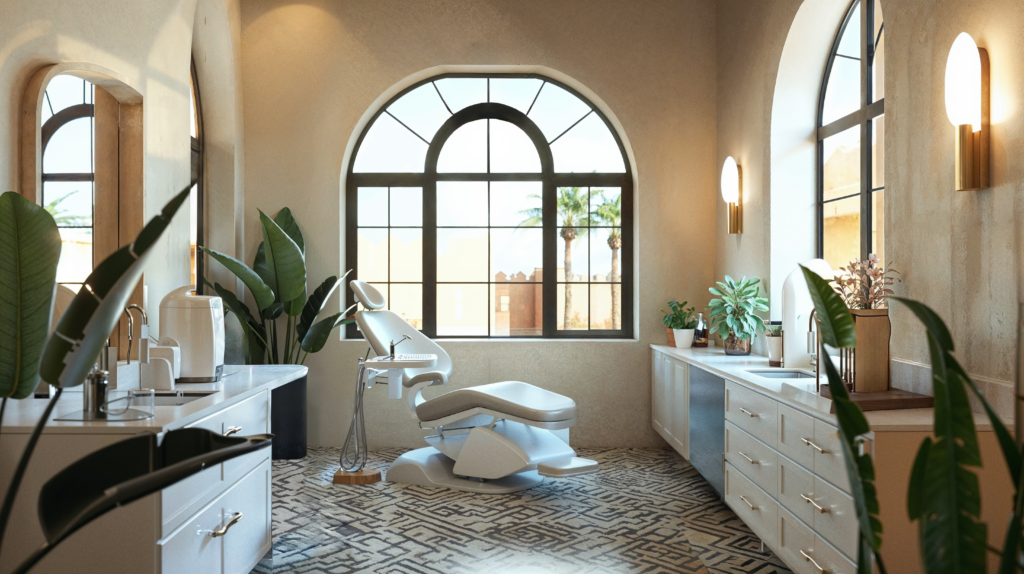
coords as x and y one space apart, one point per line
277 283
71 352
943 496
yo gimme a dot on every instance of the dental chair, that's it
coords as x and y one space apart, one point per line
495 438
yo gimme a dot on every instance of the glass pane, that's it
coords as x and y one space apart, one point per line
878 152
406 255
372 206
573 306
518 93
193 121
556 110
422 110
461 203
389 147
70 148
517 254
605 254
849 45
841 170
75 262
512 151
406 206
606 206
842 95
517 310
462 92
372 255
606 306
573 206
193 229
573 260
69 202
462 255
516 203
466 150
842 231
588 147
878 69
64 92
462 310
407 301
878 225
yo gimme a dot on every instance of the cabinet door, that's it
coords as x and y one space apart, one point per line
248 539
191 549
657 392
681 408
668 398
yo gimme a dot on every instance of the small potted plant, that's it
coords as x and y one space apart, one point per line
680 324
773 342
732 315
865 287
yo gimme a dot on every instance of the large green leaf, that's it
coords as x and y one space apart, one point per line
316 304
284 259
291 227
316 337
260 291
29 250
259 265
835 324
71 353
254 334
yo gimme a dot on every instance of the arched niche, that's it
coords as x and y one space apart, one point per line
794 140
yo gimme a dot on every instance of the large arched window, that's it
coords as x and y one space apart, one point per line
851 183
494 206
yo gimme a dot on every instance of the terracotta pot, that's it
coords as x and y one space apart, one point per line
736 346
684 338
671 337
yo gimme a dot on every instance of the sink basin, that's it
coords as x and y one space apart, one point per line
178 398
783 374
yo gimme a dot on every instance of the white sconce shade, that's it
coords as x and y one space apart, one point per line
963 83
730 181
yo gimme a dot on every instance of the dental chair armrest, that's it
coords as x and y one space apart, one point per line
432 377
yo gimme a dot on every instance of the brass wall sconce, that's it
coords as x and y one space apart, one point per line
732 193
967 105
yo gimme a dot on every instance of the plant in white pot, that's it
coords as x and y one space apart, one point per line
773 342
682 323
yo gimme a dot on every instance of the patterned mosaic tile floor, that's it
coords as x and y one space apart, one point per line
646 511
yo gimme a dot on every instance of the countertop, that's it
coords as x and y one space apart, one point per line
238 383
799 394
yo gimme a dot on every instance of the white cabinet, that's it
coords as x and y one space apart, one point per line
670 400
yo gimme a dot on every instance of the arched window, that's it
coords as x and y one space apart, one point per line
494 206
68 172
851 183
196 198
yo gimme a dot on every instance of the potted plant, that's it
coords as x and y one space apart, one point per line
865 286
773 342
732 315
680 324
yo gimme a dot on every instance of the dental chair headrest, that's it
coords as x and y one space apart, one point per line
367 295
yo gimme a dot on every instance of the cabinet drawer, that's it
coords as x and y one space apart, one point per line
796 543
758 510
752 412
838 523
250 538
794 427
796 483
828 457
191 549
750 456
830 560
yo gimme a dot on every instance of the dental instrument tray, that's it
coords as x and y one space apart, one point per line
400 361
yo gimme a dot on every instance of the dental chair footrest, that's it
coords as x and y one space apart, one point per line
566 467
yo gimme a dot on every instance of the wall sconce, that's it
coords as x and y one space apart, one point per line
732 188
967 105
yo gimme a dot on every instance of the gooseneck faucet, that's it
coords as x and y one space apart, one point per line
131 328
813 348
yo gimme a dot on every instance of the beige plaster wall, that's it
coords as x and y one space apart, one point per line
311 71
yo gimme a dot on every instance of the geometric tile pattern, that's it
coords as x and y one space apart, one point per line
647 510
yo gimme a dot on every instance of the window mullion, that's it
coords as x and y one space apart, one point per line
549 203
430 255
867 35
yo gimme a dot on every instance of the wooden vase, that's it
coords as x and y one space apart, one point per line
871 355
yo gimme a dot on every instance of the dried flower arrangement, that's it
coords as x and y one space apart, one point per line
865 285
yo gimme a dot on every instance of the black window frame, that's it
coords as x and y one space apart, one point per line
196 155
551 182
863 116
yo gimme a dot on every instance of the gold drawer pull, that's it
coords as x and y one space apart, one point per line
816 447
752 507
808 558
748 413
232 430
814 504
750 460
224 529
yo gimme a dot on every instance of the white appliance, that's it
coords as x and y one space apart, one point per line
196 324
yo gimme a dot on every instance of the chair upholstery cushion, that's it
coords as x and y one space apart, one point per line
513 398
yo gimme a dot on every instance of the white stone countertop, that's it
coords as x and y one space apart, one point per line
238 383
800 394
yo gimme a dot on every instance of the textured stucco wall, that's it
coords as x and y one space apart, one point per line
312 70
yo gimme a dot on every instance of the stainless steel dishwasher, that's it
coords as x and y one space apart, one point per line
707 426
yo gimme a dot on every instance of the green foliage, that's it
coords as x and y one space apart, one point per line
735 310
680 317
835 324
29 250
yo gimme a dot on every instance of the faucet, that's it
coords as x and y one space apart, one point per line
812 348
143 334
131 327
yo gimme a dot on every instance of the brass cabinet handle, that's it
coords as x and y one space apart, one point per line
816 447
808 500
748 413
752 507
808 558
224 529
232 430
750 460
